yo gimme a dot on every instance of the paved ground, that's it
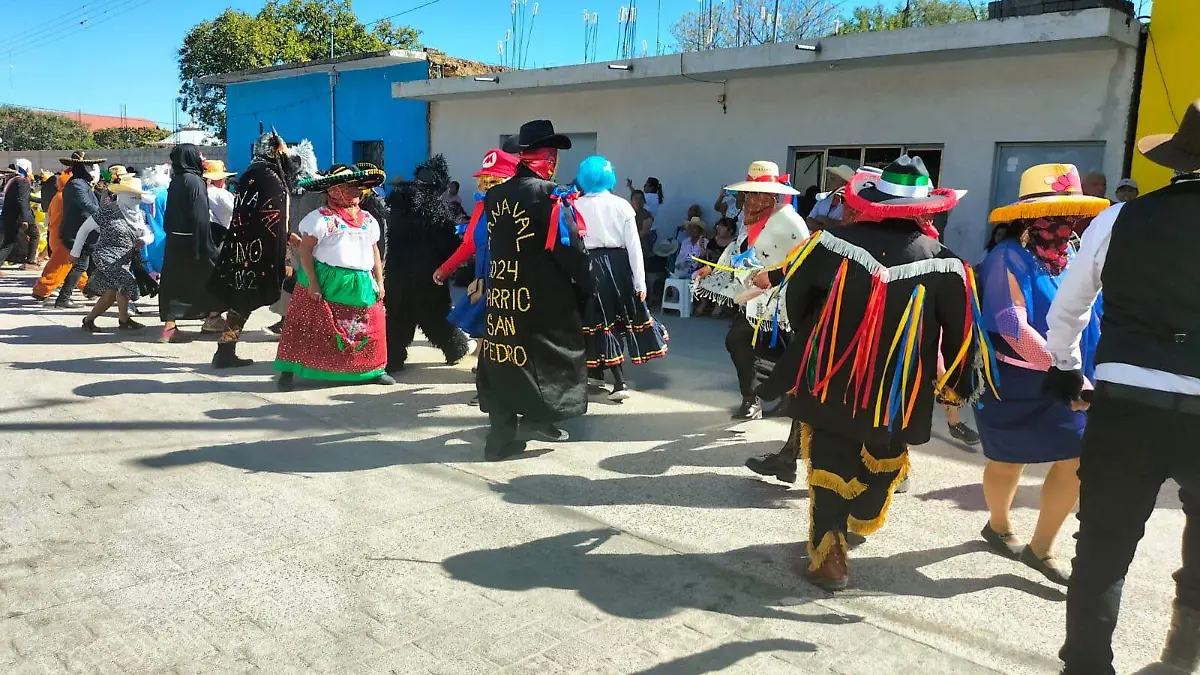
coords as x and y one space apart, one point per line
156 517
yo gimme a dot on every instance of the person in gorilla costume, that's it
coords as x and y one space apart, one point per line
421 234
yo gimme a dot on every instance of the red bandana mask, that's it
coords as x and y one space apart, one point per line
542 161
1050 241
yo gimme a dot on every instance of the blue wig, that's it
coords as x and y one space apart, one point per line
596 175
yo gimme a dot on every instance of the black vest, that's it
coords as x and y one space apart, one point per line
1151 283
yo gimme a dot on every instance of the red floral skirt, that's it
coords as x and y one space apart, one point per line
328 341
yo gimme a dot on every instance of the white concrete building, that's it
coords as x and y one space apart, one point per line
979 101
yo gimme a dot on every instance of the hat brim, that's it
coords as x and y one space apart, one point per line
218 175
840 173
364 179
118 188
1050 207
768 187
1164 150
872 204
67 161
556 141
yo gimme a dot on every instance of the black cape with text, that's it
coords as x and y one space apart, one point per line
531 359
250 270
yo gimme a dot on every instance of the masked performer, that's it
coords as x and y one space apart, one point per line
59 265
1145 411
468 313
20 239
121 233
422 235
616 318
78 204
335 329
531 365
251 268
723 282
869 303
191 250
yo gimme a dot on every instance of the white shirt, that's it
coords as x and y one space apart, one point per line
823 210
340 244
220 206
652 203
612 223
1072 307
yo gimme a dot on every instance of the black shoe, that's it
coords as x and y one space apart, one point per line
964 433
514 449
67 304
385 379
777 464
750 409
129 324
544 432
1183 642
287 381
1045 566
89 325
854 540
226 357
998 541
474 402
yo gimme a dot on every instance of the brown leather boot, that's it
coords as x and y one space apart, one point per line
834 572
1183 642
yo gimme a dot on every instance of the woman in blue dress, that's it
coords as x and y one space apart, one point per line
1020 278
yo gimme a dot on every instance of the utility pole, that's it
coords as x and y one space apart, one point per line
331 29
775 29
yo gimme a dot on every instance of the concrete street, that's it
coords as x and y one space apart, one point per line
159 517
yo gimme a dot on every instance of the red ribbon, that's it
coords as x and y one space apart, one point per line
556 217
785 178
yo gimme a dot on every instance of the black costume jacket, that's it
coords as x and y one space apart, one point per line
532 356
250 270
191 249
912 282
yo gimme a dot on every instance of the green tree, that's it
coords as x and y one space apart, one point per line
282 32
25 129
909 14
752 22
114 138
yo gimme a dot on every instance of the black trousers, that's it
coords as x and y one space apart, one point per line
1129 450
27 237
77 269
503 431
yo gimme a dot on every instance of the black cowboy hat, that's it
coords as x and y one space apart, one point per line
80 157
512 145
540 134
1179 151
340 174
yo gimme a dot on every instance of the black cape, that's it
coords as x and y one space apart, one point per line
892 244
191 250
531 360
249 272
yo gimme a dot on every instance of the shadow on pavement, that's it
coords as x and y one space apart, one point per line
701 490
722 657
321 454
108 365
631 585
148 386
719 448
969 497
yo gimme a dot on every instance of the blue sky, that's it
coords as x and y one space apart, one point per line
51 60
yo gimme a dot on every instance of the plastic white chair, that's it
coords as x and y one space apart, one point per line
683 296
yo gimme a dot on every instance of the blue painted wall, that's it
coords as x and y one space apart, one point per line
298 107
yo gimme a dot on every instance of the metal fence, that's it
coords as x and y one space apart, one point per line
134 157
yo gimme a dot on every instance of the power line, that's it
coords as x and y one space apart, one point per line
108 15
52 24
385 18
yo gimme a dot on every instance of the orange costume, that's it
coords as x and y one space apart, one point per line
55 272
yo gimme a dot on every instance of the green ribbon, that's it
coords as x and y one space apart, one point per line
908 179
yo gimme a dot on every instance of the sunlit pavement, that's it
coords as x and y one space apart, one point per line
160 517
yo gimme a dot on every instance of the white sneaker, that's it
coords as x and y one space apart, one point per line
621 394
472 346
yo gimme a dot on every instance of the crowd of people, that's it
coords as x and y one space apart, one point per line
856 319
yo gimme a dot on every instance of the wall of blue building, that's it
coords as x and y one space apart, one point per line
298 107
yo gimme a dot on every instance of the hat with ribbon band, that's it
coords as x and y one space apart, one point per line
1048 191
764 176
80 157
902 190
340 174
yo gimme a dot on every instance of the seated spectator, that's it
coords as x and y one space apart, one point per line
692 244
714 247
1127 189
1095 185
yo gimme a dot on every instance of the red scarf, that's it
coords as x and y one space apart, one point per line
356 220
1050 241
542 161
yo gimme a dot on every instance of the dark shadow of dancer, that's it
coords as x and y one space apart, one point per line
718 448
900 574
109 365
630 585
698 490
148 386
331 453
726 655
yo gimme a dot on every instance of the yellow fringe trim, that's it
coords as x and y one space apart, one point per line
834 482
869 527
884 465
817 554
805 441
1049 207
